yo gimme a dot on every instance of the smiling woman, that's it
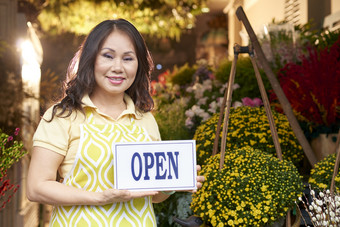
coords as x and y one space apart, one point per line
106 100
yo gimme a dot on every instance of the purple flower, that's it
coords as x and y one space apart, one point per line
10 138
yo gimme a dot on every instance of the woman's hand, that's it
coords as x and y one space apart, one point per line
115 196
199 180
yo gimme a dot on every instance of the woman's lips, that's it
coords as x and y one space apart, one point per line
116 80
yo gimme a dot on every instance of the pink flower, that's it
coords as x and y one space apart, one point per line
10 138
252 102
16 132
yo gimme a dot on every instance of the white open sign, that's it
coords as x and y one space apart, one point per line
155 166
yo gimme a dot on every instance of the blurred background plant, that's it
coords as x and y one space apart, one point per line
11 151
199 93
312 88
244 77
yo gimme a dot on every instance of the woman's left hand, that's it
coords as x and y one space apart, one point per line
199 179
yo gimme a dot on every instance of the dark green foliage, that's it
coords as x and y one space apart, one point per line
184 75
244 76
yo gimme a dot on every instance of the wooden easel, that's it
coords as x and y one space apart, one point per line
255 47
227 100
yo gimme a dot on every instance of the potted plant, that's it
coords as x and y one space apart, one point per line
248 126
321 175
252 189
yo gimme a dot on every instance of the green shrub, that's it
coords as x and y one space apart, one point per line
183 76
244 76
171 121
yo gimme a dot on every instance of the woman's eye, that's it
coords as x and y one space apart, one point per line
107 56
128 59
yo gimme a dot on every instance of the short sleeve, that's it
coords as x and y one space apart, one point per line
151 126
53 135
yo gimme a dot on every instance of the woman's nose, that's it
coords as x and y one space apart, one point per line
116 65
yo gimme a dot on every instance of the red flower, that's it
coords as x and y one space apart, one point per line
153 87
313 87
162 78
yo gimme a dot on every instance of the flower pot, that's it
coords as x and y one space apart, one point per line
323 145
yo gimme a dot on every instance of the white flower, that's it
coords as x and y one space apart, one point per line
202 101
319 210
205 116
220 101
189 123
312 192
189 89
213 107
332 214
319 202
207 85
189 113
237 104
235 86
197 110
199 91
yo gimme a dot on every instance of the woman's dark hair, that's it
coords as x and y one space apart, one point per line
80 74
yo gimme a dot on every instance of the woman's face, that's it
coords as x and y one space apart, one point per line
115 66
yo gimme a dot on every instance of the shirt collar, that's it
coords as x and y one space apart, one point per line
130 106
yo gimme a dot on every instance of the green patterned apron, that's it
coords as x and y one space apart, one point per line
93 171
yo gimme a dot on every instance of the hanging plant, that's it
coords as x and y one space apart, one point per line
252 189
248 126
157 18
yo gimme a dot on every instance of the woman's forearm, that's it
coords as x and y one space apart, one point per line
55 193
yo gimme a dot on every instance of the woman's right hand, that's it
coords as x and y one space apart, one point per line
114 195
